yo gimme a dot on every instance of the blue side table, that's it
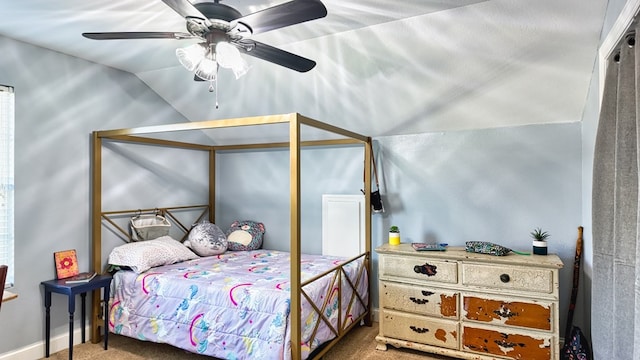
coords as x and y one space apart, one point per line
60 287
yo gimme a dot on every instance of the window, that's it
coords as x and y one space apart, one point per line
6 178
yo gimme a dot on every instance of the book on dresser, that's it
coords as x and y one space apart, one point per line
428 247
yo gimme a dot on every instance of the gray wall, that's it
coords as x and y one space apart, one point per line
60 100
255 186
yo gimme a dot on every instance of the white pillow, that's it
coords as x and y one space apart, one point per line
142 256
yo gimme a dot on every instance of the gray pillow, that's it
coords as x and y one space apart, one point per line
206 239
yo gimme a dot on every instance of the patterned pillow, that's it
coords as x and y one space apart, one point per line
484 247
245 235
206 239
142 256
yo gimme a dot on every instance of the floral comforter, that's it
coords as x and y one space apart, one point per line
232 306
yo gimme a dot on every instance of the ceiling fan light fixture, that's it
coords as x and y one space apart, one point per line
191 56
222 26
228 56
240 69
207 69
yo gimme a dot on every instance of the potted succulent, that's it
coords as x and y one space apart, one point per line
394 235
539 241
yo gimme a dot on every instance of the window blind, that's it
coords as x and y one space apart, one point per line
7 103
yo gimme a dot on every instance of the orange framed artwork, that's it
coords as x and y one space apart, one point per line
66 263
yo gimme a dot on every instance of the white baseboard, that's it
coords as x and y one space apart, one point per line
37 350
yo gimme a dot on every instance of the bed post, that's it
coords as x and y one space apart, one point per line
96 232
368 158
212 185
294 183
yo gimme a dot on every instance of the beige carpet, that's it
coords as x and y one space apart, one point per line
358 344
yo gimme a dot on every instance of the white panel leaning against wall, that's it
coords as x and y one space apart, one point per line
7 112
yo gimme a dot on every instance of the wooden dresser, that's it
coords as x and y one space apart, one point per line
467 305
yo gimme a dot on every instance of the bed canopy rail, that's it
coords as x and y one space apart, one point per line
145 136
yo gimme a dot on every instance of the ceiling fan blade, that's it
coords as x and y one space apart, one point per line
276 56
279 16
136 35
185 9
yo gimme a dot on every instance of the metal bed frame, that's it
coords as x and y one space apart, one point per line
294 120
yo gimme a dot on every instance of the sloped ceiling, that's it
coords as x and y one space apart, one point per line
384 67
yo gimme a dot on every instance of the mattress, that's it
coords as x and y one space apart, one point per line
235 305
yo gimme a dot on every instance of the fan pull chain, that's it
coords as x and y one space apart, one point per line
212 89
216 94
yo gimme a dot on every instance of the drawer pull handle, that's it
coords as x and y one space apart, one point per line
426 269
505 278
419 301
505 313
419 330
506 344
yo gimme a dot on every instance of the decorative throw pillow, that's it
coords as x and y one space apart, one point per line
245 235
142 256
206 239
484 247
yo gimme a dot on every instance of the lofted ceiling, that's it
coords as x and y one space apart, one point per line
383 67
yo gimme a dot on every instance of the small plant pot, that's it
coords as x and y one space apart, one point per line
394 238
539 247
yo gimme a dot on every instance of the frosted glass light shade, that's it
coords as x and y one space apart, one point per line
207 69
228 56
191 56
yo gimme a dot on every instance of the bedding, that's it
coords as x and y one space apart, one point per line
235 305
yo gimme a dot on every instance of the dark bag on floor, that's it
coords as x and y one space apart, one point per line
576 346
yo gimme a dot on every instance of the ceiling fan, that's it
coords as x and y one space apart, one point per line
225 33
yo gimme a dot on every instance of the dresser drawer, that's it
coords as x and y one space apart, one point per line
508 277
510 345
411 268
518 313
419 299
420 329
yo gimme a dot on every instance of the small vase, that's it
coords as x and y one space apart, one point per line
539 247
394 238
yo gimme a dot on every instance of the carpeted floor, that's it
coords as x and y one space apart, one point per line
358 344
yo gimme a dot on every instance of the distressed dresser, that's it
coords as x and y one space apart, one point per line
467 305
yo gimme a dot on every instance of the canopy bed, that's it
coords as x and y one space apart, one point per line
328 310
